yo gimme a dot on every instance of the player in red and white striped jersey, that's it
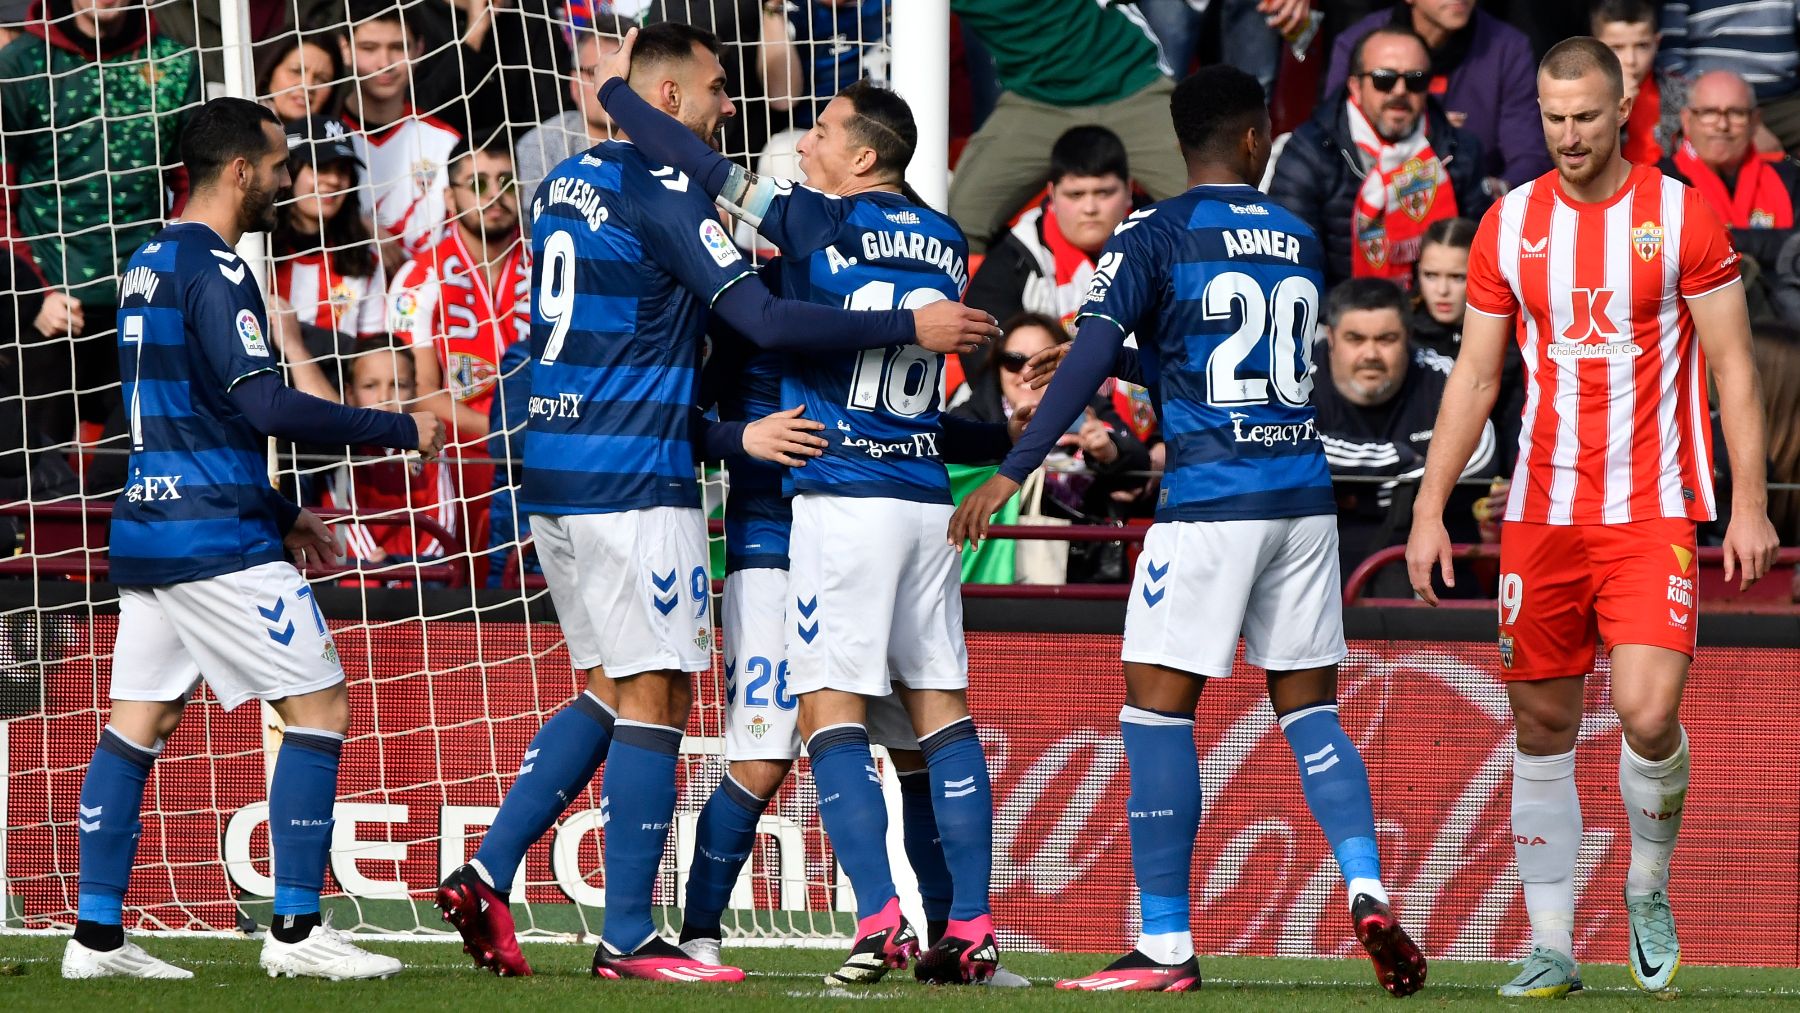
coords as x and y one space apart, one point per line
1621 287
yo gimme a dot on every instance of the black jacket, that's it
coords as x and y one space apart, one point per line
1319 173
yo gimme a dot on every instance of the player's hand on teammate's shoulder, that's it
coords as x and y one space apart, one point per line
1426 547
1751 547
1042 366
784 438
619 63
970 522
312 543
948 327
431 434
1021 416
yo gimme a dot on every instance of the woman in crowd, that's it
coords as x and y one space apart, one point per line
301 75
1095 474
1440 277
328 282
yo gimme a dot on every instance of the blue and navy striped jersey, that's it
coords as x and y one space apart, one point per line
626 258
873 251
1222 287
758 513
197 502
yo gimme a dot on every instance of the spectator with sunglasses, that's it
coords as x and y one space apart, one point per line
460 304
1481 70
1099 466
1379 163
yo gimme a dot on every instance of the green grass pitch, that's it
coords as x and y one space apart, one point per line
439 978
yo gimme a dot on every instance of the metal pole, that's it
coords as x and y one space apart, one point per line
919 35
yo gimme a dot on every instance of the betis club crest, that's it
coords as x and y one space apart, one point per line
757 727
1647 240
1415 187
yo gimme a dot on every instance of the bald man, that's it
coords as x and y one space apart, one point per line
1756 195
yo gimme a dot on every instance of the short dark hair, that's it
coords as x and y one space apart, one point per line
496 146
1629 12
884 123
368 347
364 11
1402 31
670 42
1571 59
1088 150
1214 106
604 26
220 131
1360 294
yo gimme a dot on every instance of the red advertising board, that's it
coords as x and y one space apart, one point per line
442 712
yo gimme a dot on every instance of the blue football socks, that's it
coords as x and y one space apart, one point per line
557 767
638 803
963 801
853 811
722 844
1337 791
1163 814
111 795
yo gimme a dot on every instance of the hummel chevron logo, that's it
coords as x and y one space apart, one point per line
273 615
1312 760
89 814
807 633
1152 597
605 810
807 607
1156 573
957 789
663 583
525 767
730 681
236 277
874 775
671 178
226 255
283 636
665 605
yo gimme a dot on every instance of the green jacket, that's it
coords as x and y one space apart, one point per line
1065 53
87 190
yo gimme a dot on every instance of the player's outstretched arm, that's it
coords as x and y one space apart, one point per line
1722 323
1462 418
661 137
1086 366
944 327
275 409
1042 366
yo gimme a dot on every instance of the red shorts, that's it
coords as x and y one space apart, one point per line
1565 586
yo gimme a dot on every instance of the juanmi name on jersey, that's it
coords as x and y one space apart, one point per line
1261 242
905 245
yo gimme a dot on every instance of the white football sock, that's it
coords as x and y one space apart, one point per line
1546 823
1166 947
1654 792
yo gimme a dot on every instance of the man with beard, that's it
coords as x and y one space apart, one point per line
200 546
1625 288
460 305
1375 421
1378 164
628 258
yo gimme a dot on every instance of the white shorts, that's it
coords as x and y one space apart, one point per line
252 635
631 589
1198 583
875 591
762 716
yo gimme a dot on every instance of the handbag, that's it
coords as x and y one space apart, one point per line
1039 561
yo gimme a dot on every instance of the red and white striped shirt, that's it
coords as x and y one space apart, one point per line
323 297
1615 426
405 175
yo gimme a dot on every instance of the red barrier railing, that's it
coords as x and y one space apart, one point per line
69 540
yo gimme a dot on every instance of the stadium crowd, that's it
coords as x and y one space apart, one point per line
418 133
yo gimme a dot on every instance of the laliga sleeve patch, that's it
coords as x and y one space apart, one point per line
250 333
718 244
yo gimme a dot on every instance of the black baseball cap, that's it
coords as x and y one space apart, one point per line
317 140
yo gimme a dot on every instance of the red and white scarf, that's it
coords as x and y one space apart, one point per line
1758 201
1405 190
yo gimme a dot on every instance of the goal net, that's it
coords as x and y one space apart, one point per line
440 618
